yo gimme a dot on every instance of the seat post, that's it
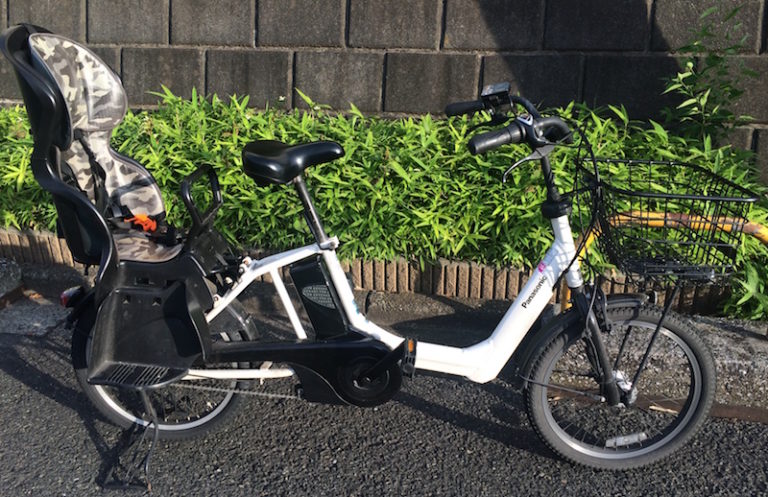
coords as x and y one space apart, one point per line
310 214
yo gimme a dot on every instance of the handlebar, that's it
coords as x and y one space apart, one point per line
540 133
536 132
479 144
461 108
533 129
526 104
472 106
553 129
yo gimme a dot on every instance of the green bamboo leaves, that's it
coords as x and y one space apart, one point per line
406 187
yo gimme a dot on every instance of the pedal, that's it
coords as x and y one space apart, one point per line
408 362
131 375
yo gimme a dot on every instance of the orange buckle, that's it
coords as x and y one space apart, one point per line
143 221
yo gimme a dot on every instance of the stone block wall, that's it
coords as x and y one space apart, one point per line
401 56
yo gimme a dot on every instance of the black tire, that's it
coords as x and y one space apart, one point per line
674 393
183 412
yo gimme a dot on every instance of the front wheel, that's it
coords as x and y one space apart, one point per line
657 416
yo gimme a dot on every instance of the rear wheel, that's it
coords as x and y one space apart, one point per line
656 417
184 410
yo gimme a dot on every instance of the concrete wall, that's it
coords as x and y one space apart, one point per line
399 56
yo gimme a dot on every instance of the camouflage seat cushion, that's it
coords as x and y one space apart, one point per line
96 103
137 247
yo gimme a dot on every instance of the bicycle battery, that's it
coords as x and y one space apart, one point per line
319 298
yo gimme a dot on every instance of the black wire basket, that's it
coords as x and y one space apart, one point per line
663 220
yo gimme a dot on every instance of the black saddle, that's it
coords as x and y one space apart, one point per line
270 162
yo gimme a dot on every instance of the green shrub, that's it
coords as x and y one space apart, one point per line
22 203
406 187
710 85
712 78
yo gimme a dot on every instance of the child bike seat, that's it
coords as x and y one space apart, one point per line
74 101
273 162
146 315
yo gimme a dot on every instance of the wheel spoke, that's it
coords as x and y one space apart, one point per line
624 341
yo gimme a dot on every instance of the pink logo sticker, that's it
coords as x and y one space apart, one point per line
542 267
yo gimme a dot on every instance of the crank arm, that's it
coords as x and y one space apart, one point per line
406 352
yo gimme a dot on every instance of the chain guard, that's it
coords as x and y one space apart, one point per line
348 387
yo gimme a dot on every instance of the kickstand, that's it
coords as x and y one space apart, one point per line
132 443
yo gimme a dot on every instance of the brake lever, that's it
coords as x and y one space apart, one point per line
537 154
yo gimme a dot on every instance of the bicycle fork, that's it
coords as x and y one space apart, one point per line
596 352
615 388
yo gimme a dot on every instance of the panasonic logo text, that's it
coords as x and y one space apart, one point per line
535 291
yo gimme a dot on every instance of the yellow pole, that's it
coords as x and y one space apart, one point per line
670 220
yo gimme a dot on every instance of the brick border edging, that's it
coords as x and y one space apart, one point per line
444 278
39 247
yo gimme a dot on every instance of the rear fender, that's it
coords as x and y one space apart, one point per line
84 309
569 322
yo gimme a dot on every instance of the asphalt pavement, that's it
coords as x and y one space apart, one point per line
439 436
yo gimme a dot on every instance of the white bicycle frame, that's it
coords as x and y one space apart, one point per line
480 363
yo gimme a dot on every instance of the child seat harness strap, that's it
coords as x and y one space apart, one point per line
119 216
100 195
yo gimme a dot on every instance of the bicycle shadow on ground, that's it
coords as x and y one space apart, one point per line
512 431
466 324
42 364
460 328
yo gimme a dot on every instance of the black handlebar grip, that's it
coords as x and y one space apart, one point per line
554 129
488 141
460 108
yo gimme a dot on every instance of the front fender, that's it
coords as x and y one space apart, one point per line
522 361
